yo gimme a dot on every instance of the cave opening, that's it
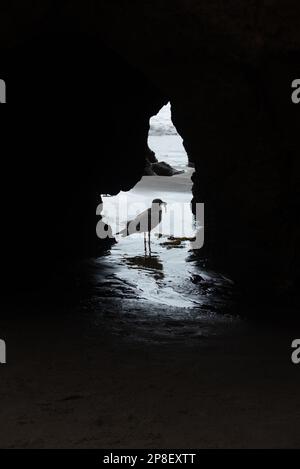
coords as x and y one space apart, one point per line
163 294
159 269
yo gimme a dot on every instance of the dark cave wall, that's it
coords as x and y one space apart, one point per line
76 126
227 68
241 133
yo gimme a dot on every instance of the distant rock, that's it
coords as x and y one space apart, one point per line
151 156
148 169
164 169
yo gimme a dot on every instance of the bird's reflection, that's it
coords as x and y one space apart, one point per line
151 264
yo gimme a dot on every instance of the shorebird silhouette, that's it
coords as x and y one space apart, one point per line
145 222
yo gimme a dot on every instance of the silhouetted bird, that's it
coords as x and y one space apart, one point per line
145 222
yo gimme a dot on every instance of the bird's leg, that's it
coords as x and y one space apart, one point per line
149 242
145 244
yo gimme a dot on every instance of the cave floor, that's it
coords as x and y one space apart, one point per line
81 386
